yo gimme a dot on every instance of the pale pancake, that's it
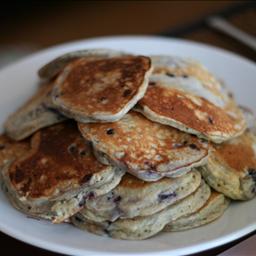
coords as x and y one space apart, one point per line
211 210
134 197
54 67
231 167
192 100
139 228
33 115
101 90
146 149
54 178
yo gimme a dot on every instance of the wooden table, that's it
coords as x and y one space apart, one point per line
45 23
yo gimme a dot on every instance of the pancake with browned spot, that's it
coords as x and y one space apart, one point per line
210 211
192 101
33 115
53 179
231 167
143 227
10 149
101 90
54 67
134 197
146 149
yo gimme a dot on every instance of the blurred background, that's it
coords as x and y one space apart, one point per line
27 26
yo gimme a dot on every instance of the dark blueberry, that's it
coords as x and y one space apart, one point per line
106 231
78 219
90 196
210 120
117 199
86 178
165 196
82 202
193 146
72 149
110 131
127 92
82 153
103 98
170 74
2 146
252 173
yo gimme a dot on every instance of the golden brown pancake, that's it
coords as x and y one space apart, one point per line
61 170
101 90
146 149
231 167
35 114
190 99
10 149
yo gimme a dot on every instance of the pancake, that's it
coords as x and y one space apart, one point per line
54 178
145 149
33 115
211 210
134 197
101 90
249 118
10 149
231 167
139 228
192 100
54 67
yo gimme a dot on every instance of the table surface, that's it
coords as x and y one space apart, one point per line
40 24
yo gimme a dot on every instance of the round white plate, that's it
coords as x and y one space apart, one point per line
18 81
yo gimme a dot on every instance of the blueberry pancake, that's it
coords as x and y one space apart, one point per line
54 178
145 149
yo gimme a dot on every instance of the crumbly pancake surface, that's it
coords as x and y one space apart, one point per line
197 115
103 89
146 149
33 115
192 101
59 160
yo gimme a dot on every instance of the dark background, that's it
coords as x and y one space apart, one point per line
39 24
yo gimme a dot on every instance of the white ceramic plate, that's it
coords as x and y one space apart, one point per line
18 81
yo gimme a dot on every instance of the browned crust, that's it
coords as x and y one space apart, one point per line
104 85
59 159
10 149
194 112
238 153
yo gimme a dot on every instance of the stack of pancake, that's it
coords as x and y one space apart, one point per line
128 146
